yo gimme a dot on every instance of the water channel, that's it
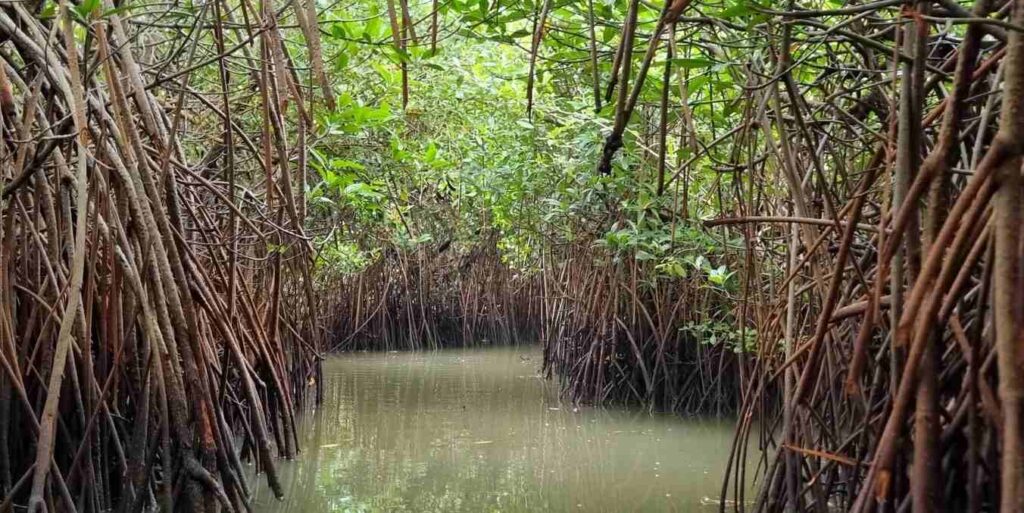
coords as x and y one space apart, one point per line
479 430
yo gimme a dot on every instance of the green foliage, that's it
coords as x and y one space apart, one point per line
463 164
714 333
338 257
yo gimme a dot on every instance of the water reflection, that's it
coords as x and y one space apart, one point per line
479 431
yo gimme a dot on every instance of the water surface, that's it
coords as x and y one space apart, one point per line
479 430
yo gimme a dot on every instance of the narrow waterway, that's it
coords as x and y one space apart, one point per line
479 430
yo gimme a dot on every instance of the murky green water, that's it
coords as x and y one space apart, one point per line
479 431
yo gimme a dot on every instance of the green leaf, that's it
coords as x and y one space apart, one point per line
692 63
740 8
347 164
49 11
719 276
87 7
362 190
402 55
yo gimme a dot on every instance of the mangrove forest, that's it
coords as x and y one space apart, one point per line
521 256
